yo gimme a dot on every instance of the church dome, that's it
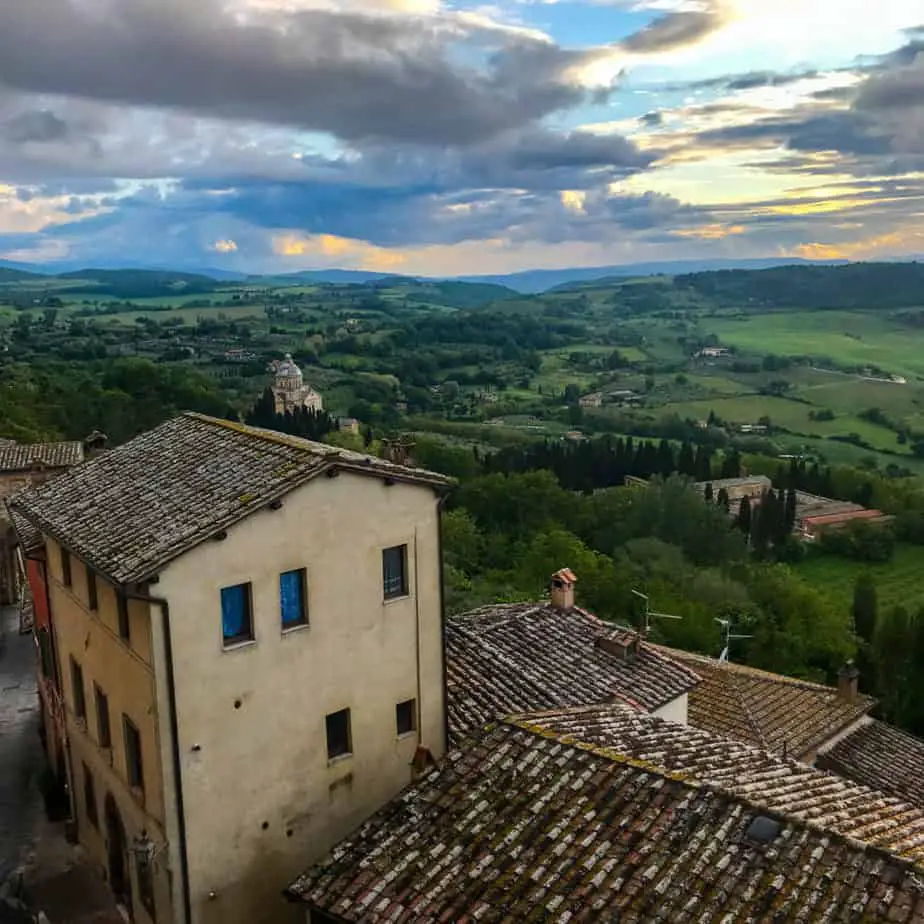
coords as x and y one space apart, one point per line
288 375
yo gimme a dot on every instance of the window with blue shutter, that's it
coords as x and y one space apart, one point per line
292 594
236 621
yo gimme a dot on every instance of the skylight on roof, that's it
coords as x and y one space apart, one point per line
763 830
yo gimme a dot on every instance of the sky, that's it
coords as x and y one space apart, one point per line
433 137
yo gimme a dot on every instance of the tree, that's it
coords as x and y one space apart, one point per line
723 500
743 520
572 393
791 507
865 607
708 494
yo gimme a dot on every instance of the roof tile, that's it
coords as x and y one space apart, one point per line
527 656
789 716
527 822
881 756
22 457
131 511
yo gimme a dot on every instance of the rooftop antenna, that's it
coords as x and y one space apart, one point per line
729 637
649 613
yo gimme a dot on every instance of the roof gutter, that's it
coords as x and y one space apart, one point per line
174 741
440 504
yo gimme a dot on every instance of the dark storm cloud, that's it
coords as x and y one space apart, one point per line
357 76
674 30
37 126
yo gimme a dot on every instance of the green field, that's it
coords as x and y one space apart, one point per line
789 415
898 582
850 338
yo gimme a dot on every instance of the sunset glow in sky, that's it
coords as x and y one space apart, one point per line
430 137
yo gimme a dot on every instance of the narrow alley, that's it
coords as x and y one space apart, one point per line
21 811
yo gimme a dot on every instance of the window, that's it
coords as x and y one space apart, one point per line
125 627
293 586
92 597
133 765
89 797
65 567
406 716
80 700
394 572
102 718
45 657
338 734
236 614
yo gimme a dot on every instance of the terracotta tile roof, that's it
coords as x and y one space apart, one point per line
781 786
27 535
134 509
520 825
880 756
527 656
23 457
785 715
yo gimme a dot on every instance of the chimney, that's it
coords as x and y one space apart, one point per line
561 590
848 682
95 443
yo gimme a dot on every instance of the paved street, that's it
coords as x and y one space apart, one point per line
21 810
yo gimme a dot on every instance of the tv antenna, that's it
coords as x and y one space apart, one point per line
649 613
729 637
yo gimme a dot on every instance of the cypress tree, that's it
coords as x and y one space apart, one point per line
743 520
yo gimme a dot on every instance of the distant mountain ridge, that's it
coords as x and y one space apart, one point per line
528 282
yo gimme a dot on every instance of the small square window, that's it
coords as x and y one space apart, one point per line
89 797
66 567
92 596
394 572
125 626
104 731
406 716
133 765
80 699
339 740
236 614
293 596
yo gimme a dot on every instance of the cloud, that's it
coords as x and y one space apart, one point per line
35 127
224 246
443 79
678 28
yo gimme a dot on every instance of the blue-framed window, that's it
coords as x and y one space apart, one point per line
394 572
236 614
293 598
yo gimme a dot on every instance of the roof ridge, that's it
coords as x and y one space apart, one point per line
346 457
691 781
739 695
681 654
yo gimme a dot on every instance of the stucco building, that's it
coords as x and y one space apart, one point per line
248 633
290 392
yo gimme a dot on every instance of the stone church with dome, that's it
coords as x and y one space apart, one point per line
290 393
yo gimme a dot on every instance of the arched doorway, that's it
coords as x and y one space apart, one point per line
117 847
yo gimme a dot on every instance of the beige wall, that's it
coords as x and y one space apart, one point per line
674 711
124 673
261 798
